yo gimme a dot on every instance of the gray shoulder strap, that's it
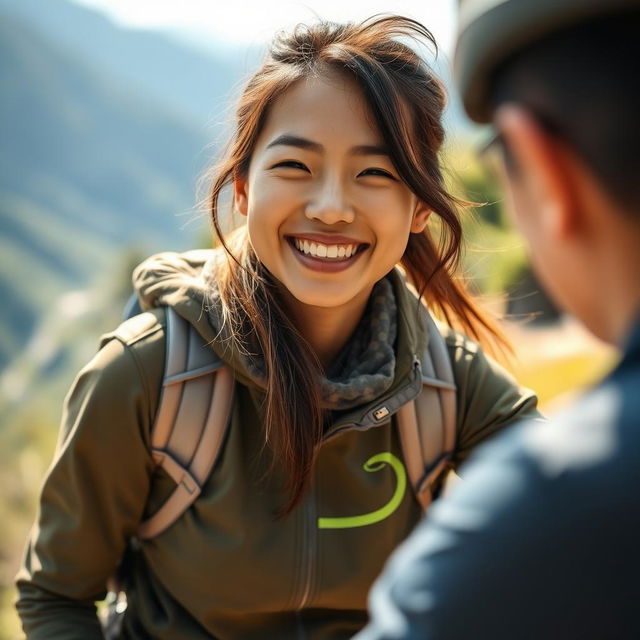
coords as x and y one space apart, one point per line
427 425
191 419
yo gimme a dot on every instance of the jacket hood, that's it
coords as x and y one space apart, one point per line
378 357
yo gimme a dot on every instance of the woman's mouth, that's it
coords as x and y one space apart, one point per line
329 257
326 251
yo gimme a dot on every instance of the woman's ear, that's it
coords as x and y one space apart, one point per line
240 193
420 218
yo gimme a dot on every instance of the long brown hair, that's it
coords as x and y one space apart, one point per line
407 101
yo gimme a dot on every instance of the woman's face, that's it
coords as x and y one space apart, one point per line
327 212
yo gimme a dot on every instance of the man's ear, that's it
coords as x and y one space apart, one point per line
240 193
544 167
420 218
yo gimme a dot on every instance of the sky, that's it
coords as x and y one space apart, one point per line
255 21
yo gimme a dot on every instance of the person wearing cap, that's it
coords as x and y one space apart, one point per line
540 540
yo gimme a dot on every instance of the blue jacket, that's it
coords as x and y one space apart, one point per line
541 540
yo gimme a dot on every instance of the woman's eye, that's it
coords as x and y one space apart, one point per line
377 173
290 164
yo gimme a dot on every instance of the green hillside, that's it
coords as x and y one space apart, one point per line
180 77
87 168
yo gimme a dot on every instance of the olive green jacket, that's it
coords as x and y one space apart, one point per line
228 568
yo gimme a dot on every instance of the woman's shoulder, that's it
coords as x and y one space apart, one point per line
142 335
120 385
149 325
489 395
133 354
458 343
475 370
470 359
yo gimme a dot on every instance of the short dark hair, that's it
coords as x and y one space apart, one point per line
583 86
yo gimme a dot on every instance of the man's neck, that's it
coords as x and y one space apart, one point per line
617 271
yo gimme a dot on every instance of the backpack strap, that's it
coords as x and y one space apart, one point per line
191 419
427 424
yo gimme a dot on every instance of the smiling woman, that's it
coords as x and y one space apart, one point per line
334 163
316 209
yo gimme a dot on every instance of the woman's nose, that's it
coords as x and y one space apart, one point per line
330 205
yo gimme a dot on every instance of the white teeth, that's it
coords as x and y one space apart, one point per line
331 251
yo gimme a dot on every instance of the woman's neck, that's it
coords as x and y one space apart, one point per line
327 329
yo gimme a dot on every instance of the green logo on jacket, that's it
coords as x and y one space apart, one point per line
375 463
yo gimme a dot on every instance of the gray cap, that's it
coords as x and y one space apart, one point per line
491 31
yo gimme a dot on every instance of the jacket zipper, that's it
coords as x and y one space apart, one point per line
341 428
309 547
310 533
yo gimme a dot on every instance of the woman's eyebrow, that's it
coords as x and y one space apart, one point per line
370 150
289 140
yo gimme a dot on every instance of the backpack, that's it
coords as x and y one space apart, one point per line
195 403
194 410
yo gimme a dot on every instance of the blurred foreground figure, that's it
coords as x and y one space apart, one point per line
541 540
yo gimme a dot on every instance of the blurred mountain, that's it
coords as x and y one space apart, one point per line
187 79
104 133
